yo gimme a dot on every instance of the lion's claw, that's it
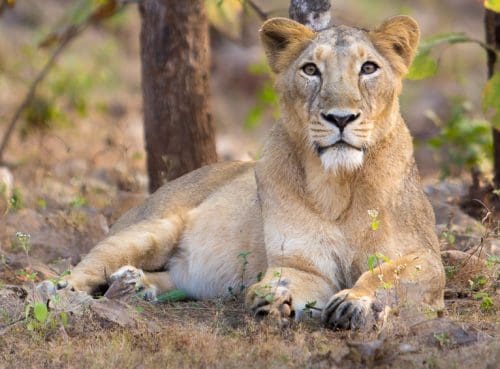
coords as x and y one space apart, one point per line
276 303
349 312
135 278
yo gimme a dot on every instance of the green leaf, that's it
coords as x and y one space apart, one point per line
269 298
173 296
310 305
382 257
375 224
423 66
487 304
259 277
254 117
41 312
492 5
372 262
480 295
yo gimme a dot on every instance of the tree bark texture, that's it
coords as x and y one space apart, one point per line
492 25
312 13
178 127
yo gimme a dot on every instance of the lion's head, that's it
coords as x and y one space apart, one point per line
339 87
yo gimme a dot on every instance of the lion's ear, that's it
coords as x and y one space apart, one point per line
283 39
397 39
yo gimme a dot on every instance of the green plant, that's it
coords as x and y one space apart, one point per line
309 307
244 263
443 339
487 304
266 98
478 282
492 261
172 296
78 202
265 292
467 140
26 275
41 115
41 203
39 319
60 277
451 271
449 236
492 5
375 260
259 276
23 241
16 200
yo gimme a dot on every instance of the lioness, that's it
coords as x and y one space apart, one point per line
340 159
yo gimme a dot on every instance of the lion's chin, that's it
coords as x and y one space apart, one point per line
342 159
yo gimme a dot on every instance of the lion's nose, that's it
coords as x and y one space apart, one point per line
340 119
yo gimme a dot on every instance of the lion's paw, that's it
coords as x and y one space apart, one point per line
276 302
135 278
346 310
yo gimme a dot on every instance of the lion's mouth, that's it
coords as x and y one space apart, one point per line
340 144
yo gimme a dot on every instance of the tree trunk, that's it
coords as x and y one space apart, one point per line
175 62
312 13
492 25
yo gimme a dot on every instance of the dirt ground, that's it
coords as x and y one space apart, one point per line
72 180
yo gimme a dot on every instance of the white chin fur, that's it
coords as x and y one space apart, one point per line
344 159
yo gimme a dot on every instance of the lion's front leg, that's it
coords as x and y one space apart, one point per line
288 293
414 279
145 245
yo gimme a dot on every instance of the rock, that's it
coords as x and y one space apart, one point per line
66 234
72 302
456 257
114 311
447 190
27 221
445 333
365 352
71 168
377 352
12 305
455 228
58 194
21 261
445 197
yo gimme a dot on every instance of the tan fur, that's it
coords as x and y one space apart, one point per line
301 214
283 41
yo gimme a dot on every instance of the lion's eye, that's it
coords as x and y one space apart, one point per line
369 68
310 69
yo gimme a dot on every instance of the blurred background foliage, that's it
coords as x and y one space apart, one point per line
95 86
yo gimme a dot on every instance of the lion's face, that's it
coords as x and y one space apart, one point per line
339 87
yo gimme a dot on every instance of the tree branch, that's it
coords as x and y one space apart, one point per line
63 39
262 14
31 92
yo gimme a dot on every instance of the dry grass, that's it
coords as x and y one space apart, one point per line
222 335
